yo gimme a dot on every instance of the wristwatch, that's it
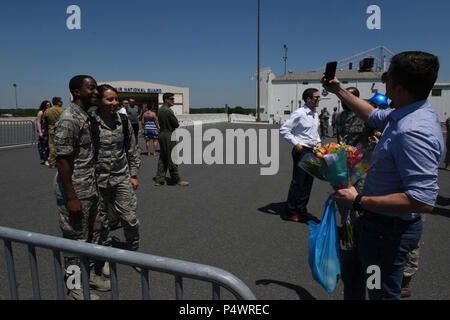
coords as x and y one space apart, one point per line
357 203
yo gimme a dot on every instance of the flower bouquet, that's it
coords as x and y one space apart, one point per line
342 166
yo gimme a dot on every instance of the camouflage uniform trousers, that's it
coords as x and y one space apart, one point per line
51 150
87 228
165 159
120 202
412 262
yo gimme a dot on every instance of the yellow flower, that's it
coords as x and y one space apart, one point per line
364 167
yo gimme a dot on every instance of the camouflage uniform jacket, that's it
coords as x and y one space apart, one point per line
352 130
324 117
113 163
73 140
52 115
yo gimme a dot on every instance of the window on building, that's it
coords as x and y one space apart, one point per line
287 112
305 82
345 82
436 92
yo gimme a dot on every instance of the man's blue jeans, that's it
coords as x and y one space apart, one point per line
383 246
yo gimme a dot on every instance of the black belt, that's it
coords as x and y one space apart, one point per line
304 148
388 221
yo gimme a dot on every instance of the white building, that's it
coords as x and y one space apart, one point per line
280 96
152 94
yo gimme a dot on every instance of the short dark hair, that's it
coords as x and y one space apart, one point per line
416 71
55 100
77 82
167 96
104 87
354 91
309 93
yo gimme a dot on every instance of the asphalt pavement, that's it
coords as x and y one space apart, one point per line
229 217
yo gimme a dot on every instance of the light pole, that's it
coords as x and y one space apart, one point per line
285 57
15 90
257 78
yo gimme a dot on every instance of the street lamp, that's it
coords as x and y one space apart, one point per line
15 90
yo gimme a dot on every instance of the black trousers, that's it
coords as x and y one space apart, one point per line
136 131
301 185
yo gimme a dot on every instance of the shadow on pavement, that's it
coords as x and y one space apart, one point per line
441 212
277 208
302 293
442 201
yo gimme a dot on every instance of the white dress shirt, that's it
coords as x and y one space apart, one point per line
123 111
302 127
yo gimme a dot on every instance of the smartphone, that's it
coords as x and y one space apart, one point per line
330 71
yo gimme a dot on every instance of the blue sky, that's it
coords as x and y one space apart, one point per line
206 45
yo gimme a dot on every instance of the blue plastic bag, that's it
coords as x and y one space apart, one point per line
324 249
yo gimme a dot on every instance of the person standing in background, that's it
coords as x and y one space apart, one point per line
301 131
51 116
42 131
133 112
151 129
168 123
333 121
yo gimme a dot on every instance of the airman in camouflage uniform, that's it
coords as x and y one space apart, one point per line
168 123
73 140
324 117
75 184
353 131
52 115
333 121
114 169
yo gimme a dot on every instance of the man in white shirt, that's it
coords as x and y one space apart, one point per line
123 107
301 130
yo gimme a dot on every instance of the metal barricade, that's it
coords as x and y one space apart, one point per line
178 268
17 132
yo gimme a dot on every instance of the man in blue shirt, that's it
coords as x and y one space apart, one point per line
402 181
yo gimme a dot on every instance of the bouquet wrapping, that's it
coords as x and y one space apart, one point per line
342 166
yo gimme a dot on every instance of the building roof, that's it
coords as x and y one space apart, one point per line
139 84
341 75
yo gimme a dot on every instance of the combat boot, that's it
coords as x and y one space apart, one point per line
98 282
406 287
77 294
